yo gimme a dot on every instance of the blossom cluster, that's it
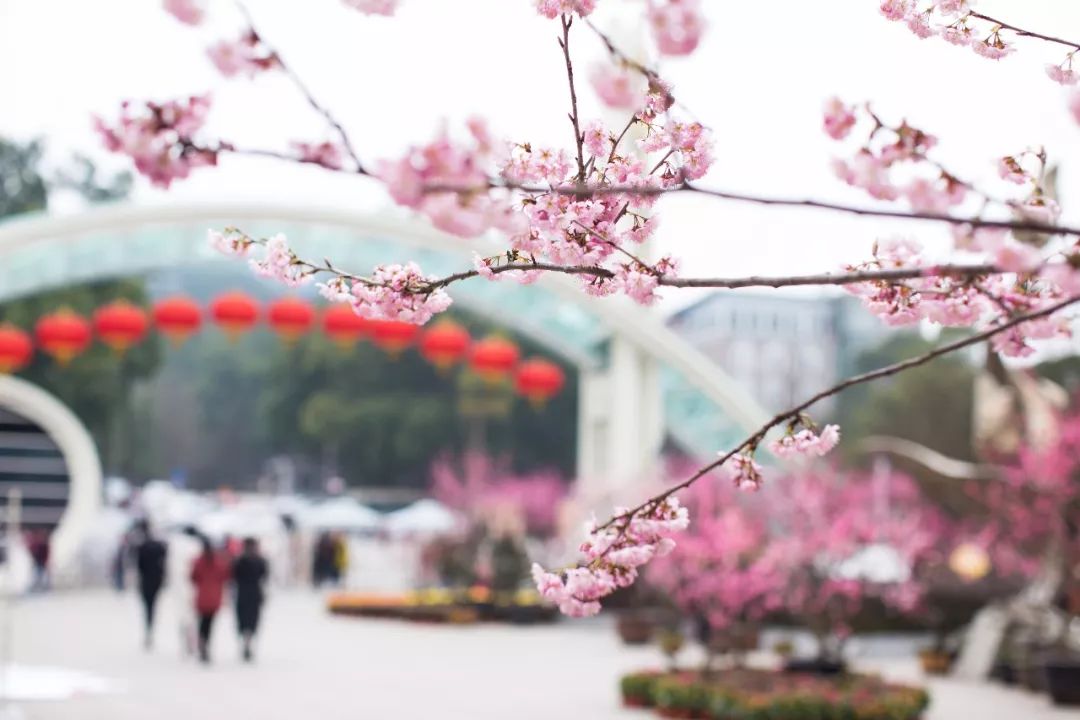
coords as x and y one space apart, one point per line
374 7
613 554
159 138
393 292
1030 284
246 56
952 21
805 442
677 25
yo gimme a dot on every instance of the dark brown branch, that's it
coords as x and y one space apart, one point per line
303 88
579 139
1025 33
759 435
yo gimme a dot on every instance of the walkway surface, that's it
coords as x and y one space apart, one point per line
318 667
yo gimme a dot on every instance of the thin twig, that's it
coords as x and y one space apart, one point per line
760 433
1024 33
303 88
579 139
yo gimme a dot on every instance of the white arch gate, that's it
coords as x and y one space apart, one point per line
80 458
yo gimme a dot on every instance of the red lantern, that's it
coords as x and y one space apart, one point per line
235 313
539 380
494 357
444 344
394 336
63 335
16 348
120 325
342 325
291 317
177 318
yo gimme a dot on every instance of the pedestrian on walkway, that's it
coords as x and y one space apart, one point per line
150 554
38 544
209 573
249 572
184 546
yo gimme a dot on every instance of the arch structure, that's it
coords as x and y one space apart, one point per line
49 461
640 383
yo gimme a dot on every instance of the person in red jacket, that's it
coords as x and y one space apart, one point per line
209 573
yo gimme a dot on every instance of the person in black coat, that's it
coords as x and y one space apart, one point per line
250 571
150 565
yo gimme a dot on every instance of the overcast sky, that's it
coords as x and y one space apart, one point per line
759 79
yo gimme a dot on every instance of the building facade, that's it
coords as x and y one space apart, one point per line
780 348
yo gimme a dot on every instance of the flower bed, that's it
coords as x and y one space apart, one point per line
766 695
443 605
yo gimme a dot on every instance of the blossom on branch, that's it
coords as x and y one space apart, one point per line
373 7
158 138
398 292
554 8
806 442
327 154
618 86
677 25
612 555
189 12
839 119
246 56
280 263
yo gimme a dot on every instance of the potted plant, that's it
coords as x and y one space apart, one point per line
671 641
635 626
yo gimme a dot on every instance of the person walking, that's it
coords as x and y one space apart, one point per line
38 544
184 546
150 554
209 573
249 573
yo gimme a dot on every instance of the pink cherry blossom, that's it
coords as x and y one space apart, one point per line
895 9
374 7
189 12
554 8
245 56
611 556
398 292
1065 76
807 443
933 196
1074 105
961 35
1010 169
280 263
919 23
229 242
677 25
618 86
327 154
950 8
159 138
995 48
597 139
745 472
839 119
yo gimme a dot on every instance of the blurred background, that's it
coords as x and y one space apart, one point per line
399 481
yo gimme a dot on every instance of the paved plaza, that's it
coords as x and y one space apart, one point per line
317 667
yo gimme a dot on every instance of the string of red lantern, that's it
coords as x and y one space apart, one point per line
63 335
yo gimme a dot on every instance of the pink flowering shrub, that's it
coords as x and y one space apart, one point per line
827 521
1032 511
479 485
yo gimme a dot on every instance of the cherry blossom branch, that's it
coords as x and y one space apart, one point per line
581 190
579 139
1024 33
753 440
300 85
